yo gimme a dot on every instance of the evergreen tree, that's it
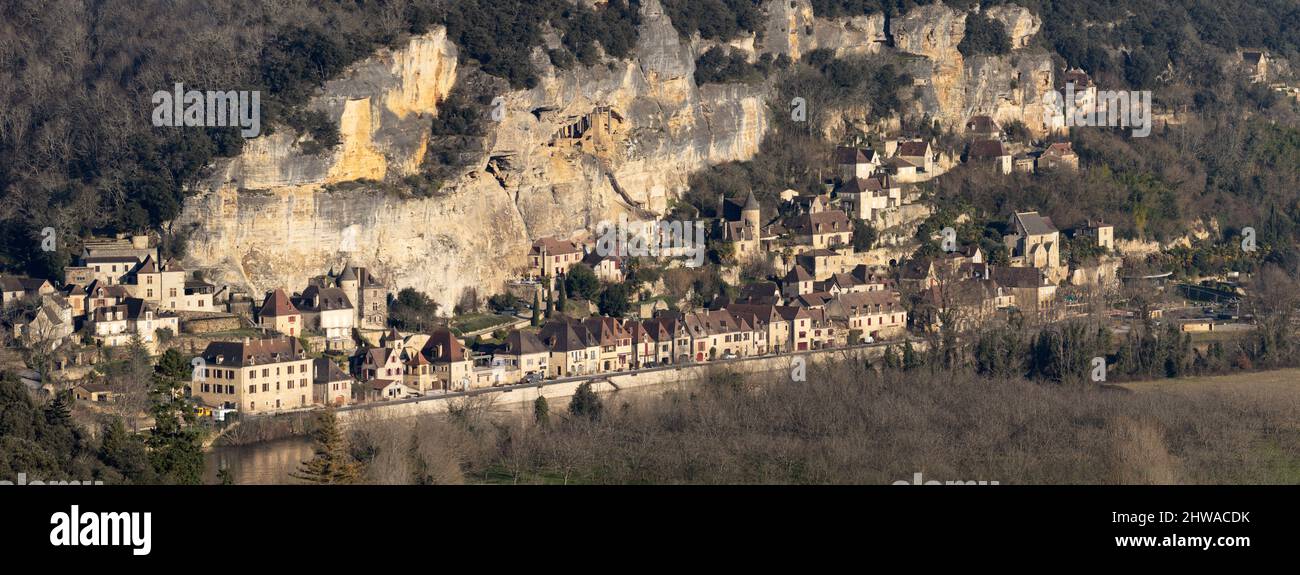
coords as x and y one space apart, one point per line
537 310
331 464
586 404
176 448
541 411
563 298
910 359
891 358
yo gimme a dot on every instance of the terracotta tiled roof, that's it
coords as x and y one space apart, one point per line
277 304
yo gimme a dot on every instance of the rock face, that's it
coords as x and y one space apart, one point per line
951 88
792 29
585 145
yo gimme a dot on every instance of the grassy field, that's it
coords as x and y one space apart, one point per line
1280 384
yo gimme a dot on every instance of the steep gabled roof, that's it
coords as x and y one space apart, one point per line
986 149
830 221
798 274
520 342
443 347
1034 224
277 304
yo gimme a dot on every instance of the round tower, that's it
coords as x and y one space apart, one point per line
751 214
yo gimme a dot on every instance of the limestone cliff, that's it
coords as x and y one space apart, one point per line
584 145
951 88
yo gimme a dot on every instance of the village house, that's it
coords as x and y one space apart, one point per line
822 263
800 322
552 258
615 343
109 260
918 153
94 393
166 286
380 363
418 373
866 198
983 127
1031 287
115 325
797 282
873 316
75 295
830 229
990 152
608 268
826 332
672 337
741 226
1255 64
451 362
776 323
901 170
1059 155
855 163
1024 163
368 296
524 356
278 314
842 283
14 289
1101 234
388 389
100 295
1033 242
330 384
573 350
328 311
255 376
717 334
46 326
814 300
811 203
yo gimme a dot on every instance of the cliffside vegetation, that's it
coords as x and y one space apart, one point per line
79 154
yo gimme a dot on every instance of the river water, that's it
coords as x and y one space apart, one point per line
263 463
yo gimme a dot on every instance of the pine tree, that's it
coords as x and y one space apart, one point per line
563 299
332 464
175 443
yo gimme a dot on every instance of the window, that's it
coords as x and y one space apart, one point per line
266 387
252 389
